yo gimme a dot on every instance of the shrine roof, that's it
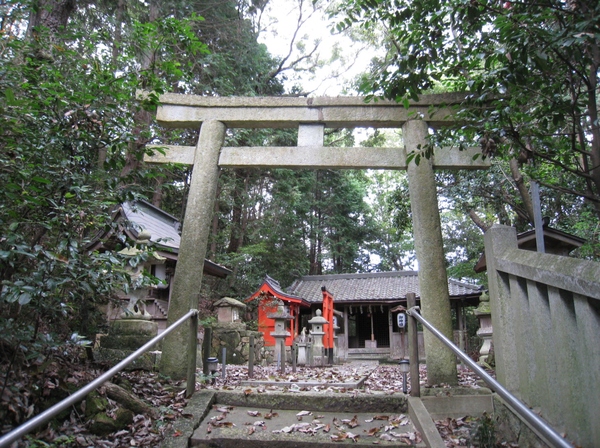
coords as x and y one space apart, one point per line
381 287
133 217
271 287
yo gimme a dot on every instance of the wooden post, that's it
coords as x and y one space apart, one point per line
206 344
192 354
294 357
413 345
251 358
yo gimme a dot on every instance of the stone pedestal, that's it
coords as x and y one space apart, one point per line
301 354
280 334
370 344
317 333
485 331
126 336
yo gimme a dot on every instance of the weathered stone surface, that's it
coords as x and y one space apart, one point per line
319 157
133 327
187 283
94 404
124 342
198 406
331 402
509 428
110 356
429 247
281 112
236 339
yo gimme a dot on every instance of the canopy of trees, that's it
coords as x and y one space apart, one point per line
531 72
74 133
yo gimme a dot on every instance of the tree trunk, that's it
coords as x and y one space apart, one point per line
128 400
51 14
142 118
523 191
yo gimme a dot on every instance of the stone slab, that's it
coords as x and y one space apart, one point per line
319 157
255 431
424 423
178 110
458 406
183 428
323 401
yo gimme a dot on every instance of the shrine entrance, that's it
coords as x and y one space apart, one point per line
311 116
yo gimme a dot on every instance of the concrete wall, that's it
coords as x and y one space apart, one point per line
546 320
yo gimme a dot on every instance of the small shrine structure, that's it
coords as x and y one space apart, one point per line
268 297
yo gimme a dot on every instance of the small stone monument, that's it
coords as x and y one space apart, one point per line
229 310
135 327
484 314
280 333
317 332
335 340
302 340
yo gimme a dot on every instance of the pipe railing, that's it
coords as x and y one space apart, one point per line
551 436
53 411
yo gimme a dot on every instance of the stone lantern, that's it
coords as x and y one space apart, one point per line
135 327
280 333
484 314
317 323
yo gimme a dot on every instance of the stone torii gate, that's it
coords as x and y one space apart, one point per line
311 116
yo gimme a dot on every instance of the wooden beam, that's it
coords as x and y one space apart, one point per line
315 157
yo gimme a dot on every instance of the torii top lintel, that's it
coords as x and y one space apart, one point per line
310 116
183 111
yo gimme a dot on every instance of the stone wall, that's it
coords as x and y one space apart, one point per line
236 339
546 319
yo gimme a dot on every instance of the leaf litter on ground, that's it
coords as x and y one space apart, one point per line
168 397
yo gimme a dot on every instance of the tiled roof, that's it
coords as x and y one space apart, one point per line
164 231
376 286
162 226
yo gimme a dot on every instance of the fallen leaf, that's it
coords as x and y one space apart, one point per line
373 431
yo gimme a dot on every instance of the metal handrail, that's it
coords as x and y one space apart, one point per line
534 420
53 411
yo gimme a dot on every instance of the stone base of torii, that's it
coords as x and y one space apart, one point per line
214 115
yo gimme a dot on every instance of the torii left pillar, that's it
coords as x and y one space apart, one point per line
190 262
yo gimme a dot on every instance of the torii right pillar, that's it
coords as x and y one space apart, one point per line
429 248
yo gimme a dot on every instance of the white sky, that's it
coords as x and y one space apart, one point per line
280 24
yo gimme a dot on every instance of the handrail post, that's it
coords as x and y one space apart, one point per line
192 354
413 346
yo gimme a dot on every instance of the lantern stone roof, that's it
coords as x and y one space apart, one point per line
228 301
380 287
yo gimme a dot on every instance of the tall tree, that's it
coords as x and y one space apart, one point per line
531 70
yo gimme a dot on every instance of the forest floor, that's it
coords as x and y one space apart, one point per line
168 399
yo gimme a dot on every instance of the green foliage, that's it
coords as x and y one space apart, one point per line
484 433
68 124
530 72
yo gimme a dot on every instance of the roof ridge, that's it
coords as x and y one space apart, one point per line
358 275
